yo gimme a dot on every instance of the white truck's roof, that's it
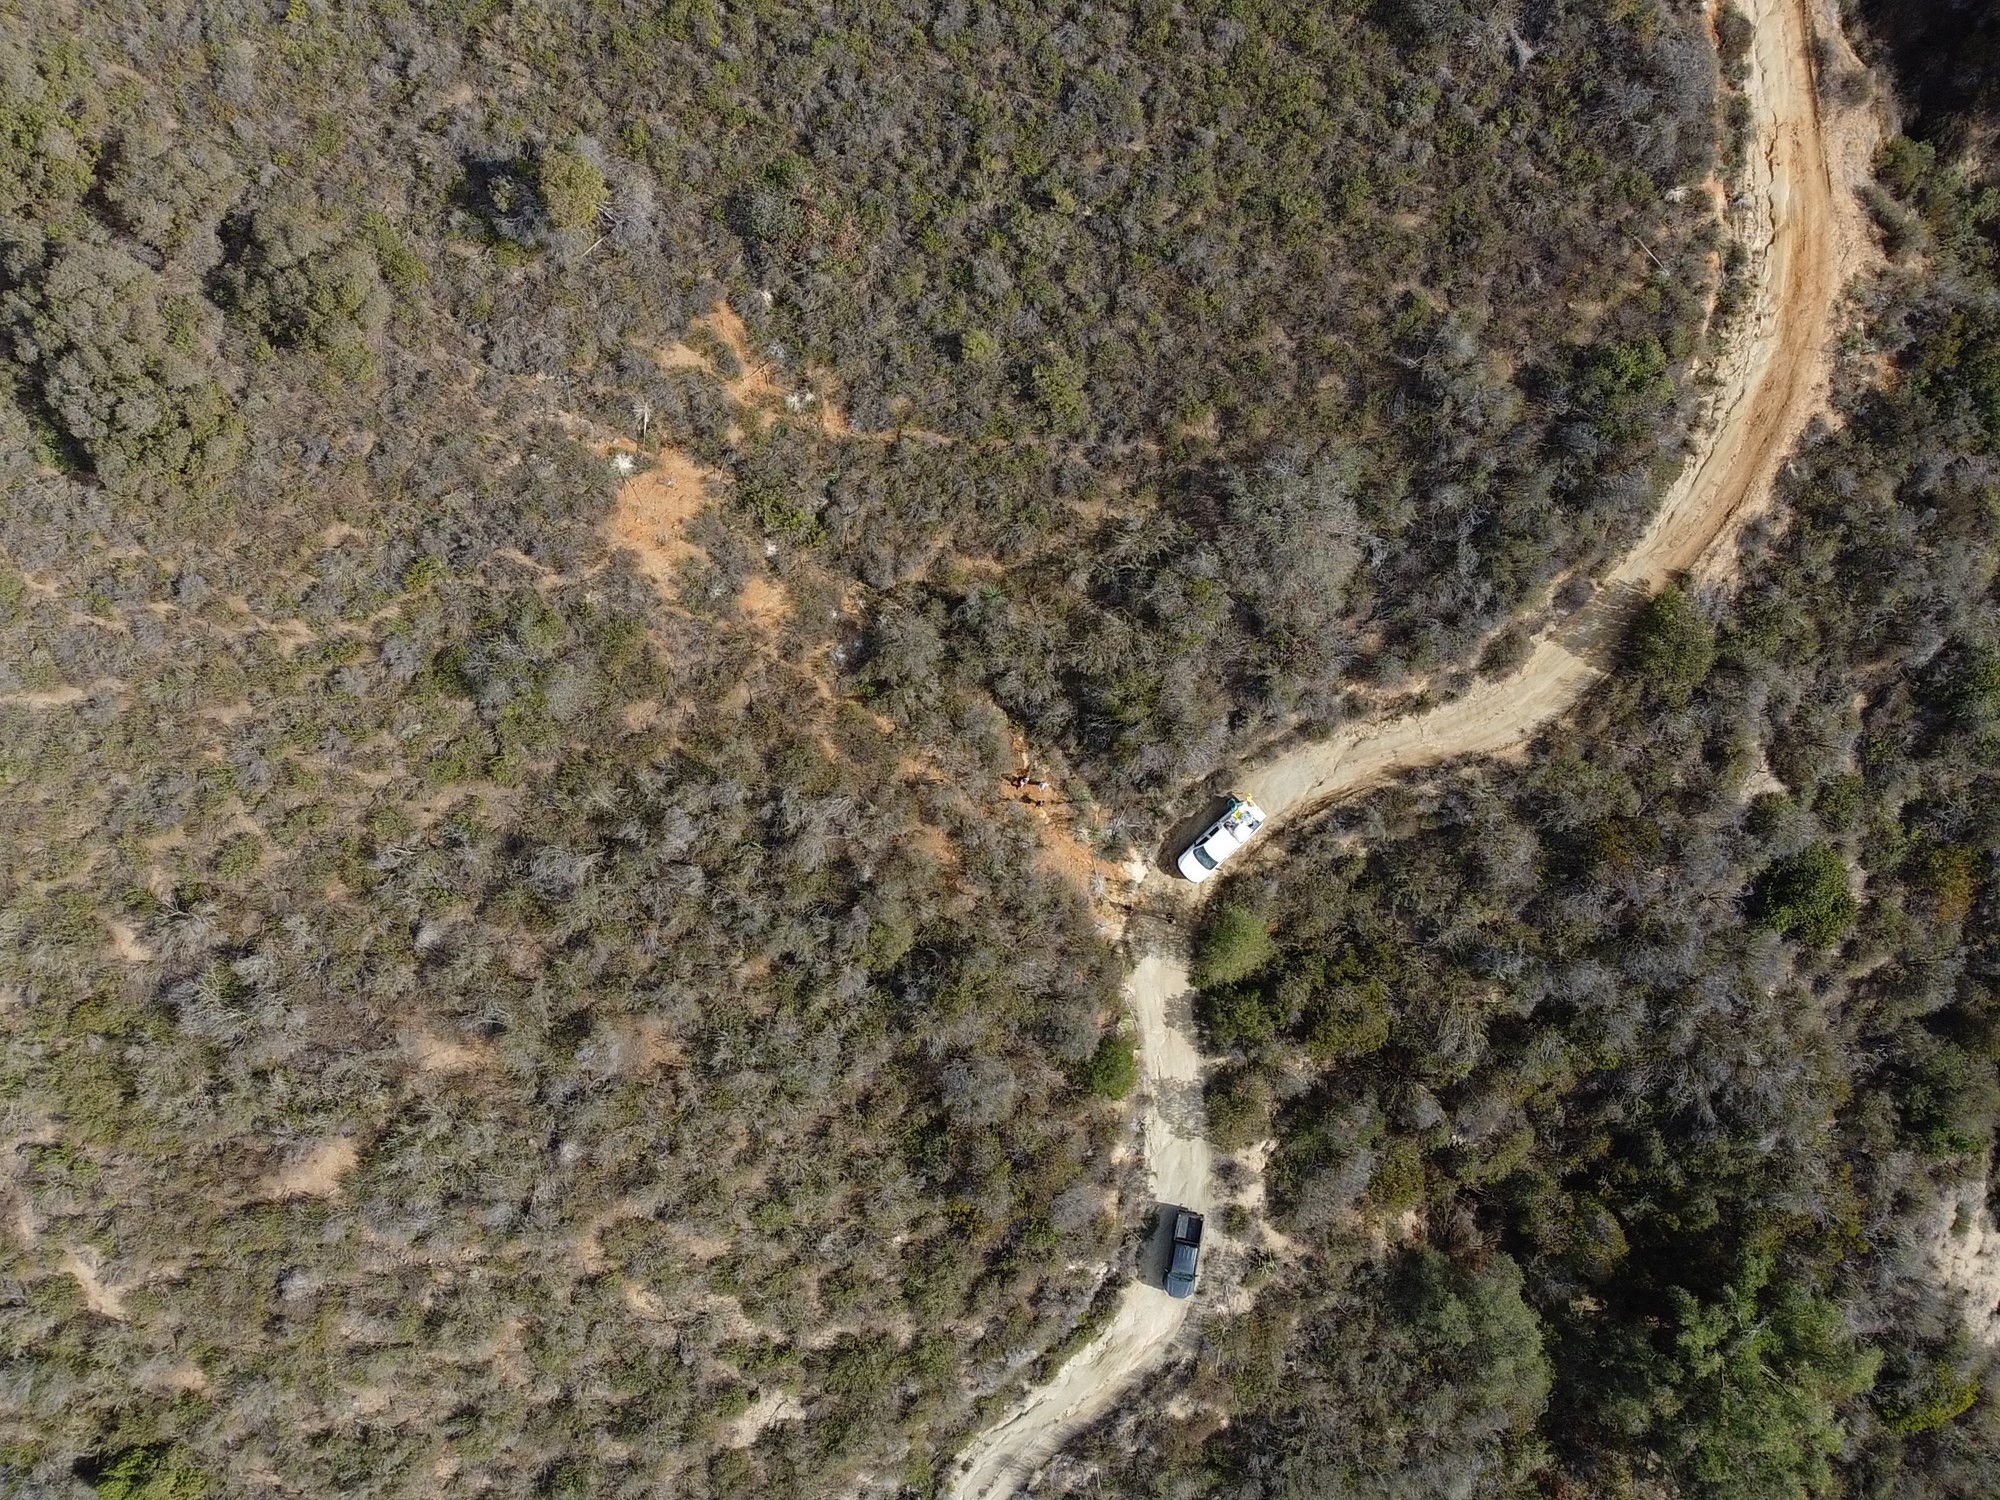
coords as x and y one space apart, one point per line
1222 838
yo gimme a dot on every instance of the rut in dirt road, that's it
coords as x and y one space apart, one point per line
1804 232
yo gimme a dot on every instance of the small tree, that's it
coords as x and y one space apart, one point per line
1235 944
1673 646
1806 896
116 360
302 283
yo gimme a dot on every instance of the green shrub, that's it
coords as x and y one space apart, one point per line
162 1471
1239 1109
573 189
1113 1069
1806 896
1058 388
1351 1022
1234 944
1967 686
1944 1396
1399 1176
239 858
1673 646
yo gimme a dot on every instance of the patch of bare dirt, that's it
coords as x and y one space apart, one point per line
652 511
767 1410
62 697
754 388
85 1265
439 1054
172 1377
125 942
1966 1254
765 603
314 1172
643 1301
1066 845
644 1044
587 1248
1252 1168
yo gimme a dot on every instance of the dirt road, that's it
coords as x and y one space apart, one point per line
1802 226
1803 231
1147 1318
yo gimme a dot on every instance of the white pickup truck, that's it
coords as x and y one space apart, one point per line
1224 837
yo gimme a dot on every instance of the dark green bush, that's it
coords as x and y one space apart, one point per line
304 283
1234 944
163 1471
1113 1069
1806 896
573 188
1673 646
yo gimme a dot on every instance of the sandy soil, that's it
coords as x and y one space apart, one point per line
313 1173
433 1053
652 512
100 1296
171 1377
768 1410
62 697
764 603
1806 235
1968 1259
125 942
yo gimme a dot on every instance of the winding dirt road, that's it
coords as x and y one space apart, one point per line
1805 234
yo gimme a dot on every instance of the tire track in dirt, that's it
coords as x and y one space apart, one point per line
1806 235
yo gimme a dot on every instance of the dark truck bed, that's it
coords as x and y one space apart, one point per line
1184 1259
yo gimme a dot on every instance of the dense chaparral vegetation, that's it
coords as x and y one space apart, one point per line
486 1012
474 1024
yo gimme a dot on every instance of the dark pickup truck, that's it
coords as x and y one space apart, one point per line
1185 1255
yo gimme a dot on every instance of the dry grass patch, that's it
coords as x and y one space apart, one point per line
315 1172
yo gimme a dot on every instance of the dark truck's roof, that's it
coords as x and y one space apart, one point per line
1185 1255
